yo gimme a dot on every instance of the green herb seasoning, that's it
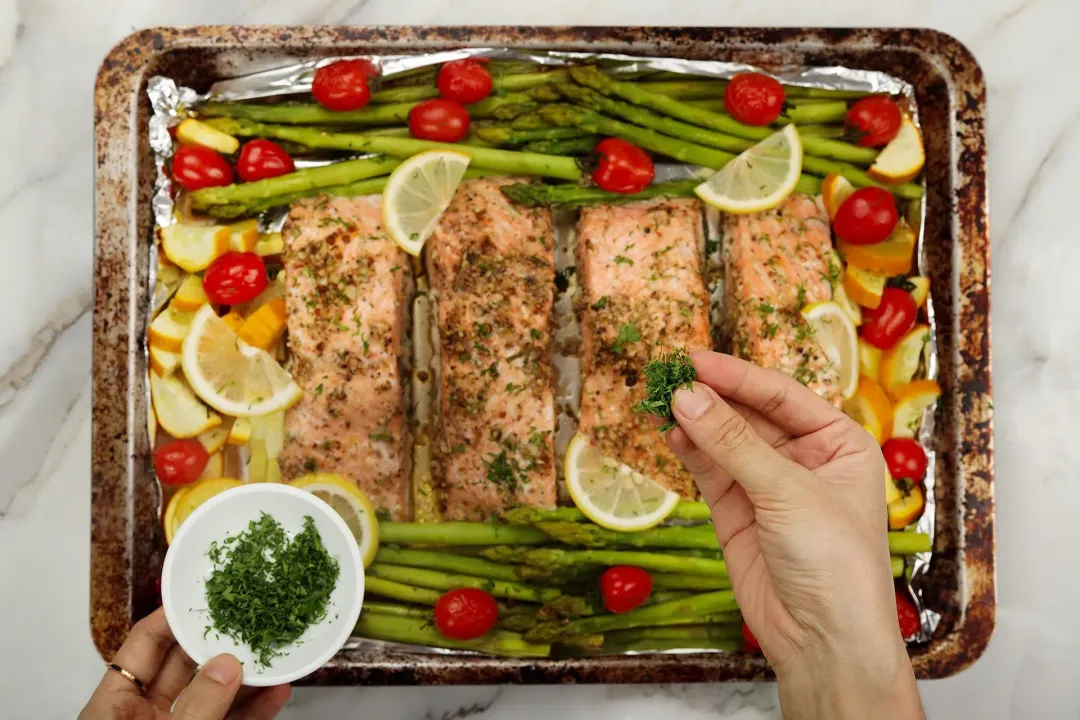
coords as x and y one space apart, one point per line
265 589
663 376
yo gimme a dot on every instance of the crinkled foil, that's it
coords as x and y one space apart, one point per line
170 104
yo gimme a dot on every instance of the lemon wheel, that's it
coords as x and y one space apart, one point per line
351 504
758 179
611 494
231 376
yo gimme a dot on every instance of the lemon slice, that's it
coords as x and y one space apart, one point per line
418 192
351 504
835 334
611 494
188 498
758 179
230 375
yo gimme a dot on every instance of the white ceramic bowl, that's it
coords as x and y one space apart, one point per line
183 579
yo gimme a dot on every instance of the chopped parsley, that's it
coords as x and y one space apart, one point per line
266 589
628 333
601 303
623 260
535 334
514 389
663 376
505 472
765 309
483 330
383 436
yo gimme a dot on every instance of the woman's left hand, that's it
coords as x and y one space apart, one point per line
171 686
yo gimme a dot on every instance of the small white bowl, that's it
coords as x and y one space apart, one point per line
187 568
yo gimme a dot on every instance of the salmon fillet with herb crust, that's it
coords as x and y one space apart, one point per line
492 270
640 267
776 263
347 293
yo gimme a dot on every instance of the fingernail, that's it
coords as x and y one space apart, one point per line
691 404
224 669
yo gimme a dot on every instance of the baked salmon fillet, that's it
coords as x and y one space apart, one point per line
640 267
777 262
491 265
347 293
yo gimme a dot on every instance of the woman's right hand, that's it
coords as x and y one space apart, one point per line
797 496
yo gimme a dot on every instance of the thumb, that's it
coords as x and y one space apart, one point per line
725 436
211 692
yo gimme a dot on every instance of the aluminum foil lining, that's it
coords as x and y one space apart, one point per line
171 103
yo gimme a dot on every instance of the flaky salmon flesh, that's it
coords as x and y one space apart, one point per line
640 267
491 266
347 294
776 262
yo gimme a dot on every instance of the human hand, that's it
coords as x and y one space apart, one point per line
797 496
168 676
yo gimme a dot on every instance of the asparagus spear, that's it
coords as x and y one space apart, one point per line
568 606
299 181
399 591
437 580
702 89
370 186
315 114
687 510
458 533
572 195
512 111
733 135
446 561
398 610
501 135
670 581
690 609
530 121
569 115
693 536
577 146
825 112
504 161
908 543
724 631
420 632
651 140
557 557
508 83
823 147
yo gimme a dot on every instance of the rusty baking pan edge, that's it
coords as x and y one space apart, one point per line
127 546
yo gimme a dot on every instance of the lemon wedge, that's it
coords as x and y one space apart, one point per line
351 504
836 335
417 193
758 179
230 375
612 494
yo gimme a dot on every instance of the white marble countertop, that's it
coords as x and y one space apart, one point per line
49 53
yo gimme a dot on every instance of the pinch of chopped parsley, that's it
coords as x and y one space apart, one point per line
623 260
663 376
628 333
601 303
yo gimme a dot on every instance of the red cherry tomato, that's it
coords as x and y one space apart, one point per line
867 217
180 462
466 81
344 85
874 120
625 588
623 167
261 159
907 615
465 613
196 167
754 99
750 643
439 120
234 278
884 325
905 458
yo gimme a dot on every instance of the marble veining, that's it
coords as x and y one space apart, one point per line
49 52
